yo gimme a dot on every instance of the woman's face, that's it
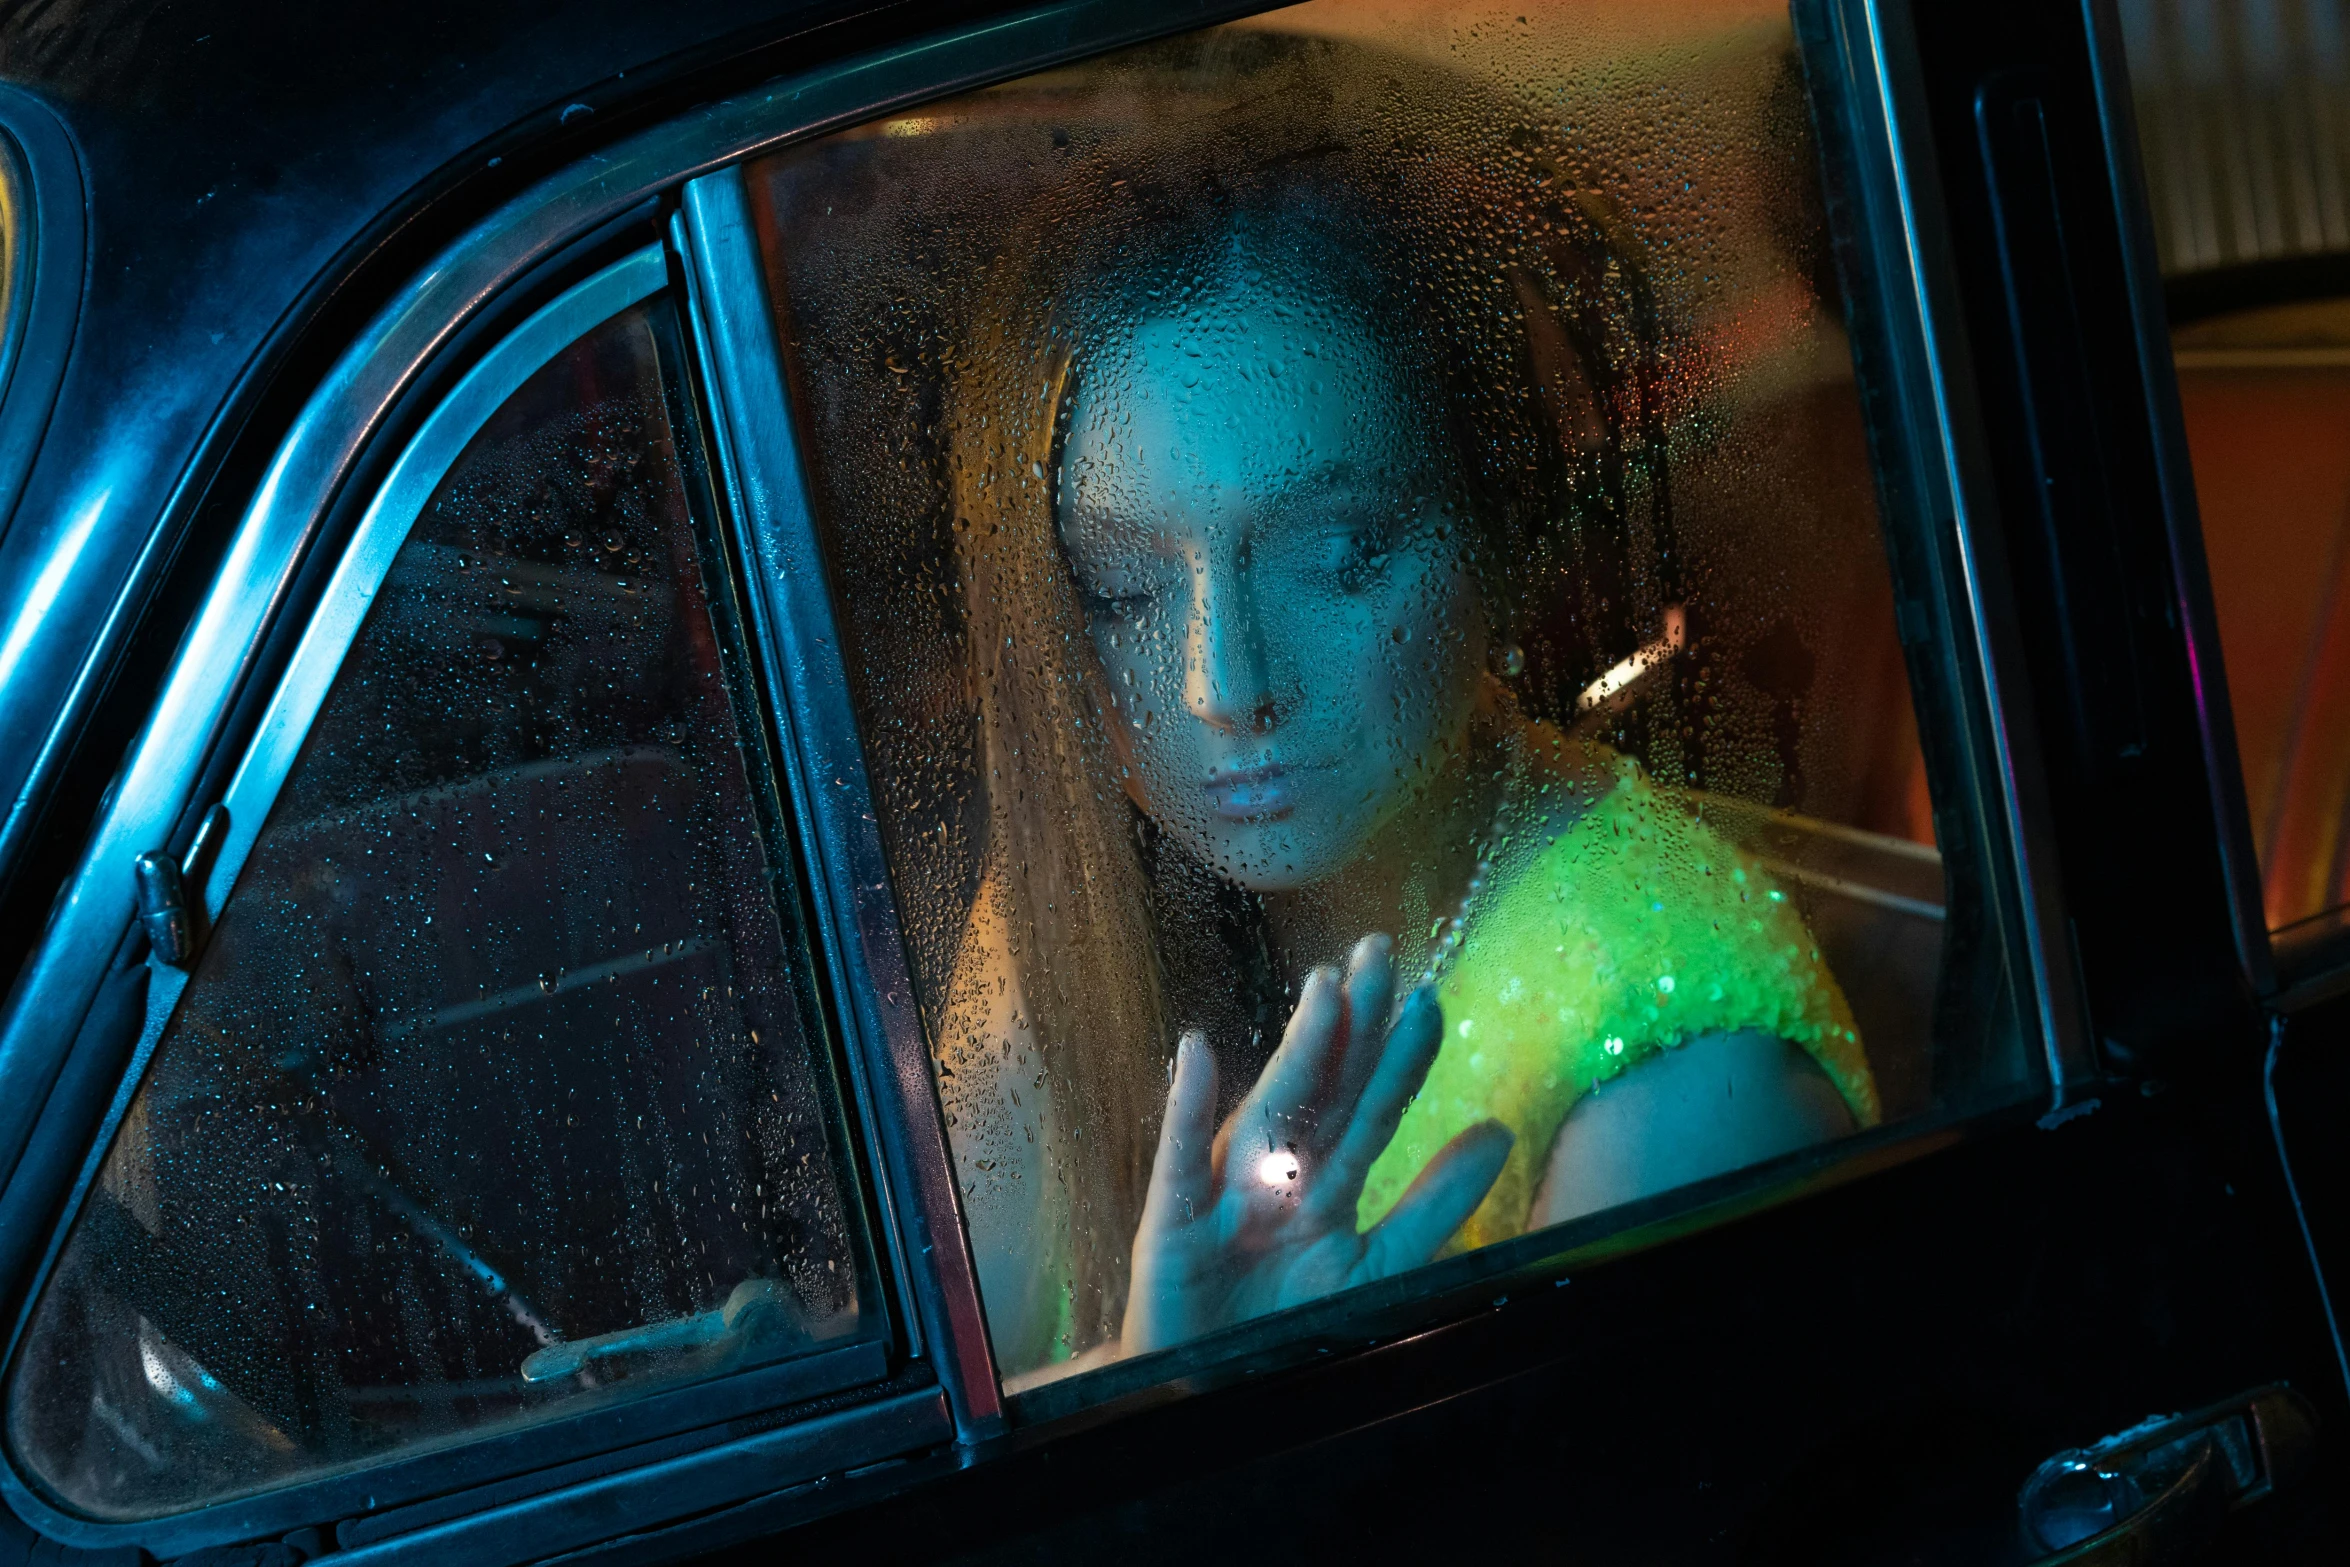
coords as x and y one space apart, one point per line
1261 527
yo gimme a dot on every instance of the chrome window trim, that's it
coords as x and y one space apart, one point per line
659 1424
428 1490
791 1469
46 279
917 1315
56 261
1963 497
384 527
759 458
44 282
20 224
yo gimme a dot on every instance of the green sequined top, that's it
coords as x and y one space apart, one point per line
1636 930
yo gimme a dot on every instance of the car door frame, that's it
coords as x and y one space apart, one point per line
158 799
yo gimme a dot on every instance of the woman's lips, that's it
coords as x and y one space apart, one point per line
1251 794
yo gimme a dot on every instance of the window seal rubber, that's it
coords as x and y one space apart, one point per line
766 485
660 1425
43 271
384 526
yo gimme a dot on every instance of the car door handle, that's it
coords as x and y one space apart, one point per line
2158 1493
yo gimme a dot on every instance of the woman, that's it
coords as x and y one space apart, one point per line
1282 452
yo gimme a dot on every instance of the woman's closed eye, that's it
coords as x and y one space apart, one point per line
1115 606
1351 553
1359 557
1116 599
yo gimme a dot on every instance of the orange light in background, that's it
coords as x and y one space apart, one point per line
2266 395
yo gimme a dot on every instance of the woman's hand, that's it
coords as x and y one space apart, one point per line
1261 1215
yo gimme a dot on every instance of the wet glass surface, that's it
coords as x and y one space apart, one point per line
1360 572
496 1094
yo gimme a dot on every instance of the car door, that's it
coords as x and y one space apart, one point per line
623 1000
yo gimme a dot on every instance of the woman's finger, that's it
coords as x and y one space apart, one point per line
1182 1177
1439 1202
1409 1051
1370 988
1281 1108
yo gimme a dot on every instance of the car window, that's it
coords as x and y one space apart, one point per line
1361 576
2248 179
498 1093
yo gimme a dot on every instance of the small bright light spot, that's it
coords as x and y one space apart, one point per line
1277 1168
1622 676
1615 1047
159 1375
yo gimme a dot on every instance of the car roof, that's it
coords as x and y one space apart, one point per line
258 176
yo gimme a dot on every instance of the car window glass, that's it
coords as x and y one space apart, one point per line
2240 117
497 1094
1381 470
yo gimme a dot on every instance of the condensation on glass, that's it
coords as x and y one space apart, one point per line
1377 468
496 1095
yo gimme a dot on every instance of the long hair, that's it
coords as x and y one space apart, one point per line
1479 252
1528 322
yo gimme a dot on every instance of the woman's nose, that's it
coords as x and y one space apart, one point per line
1224 681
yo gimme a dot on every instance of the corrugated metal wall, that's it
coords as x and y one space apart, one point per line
2244 113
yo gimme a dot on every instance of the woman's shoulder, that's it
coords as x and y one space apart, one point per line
1598 825
1626 901
1638 922
1572 795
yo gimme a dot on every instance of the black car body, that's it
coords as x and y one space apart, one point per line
259 247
